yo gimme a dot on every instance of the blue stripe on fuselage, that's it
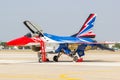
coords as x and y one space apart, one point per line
67 39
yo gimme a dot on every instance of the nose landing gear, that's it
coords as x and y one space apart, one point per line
40 58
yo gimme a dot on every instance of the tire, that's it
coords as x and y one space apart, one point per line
39 60
47 60
55 58
75 58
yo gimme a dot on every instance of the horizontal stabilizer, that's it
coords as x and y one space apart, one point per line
89 34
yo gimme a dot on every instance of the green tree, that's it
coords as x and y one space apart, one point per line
117 45
3 43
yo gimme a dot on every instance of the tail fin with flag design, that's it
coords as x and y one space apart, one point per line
85 31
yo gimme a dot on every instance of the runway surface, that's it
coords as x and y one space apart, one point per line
23 65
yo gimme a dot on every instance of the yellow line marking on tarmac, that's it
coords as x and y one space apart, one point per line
65 77
35 77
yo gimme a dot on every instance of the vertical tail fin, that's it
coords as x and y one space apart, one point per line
87 26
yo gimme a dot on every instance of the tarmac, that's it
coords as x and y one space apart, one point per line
23 65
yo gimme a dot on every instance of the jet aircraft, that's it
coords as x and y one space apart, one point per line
38 40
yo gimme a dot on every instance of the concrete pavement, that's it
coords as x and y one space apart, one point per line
97 65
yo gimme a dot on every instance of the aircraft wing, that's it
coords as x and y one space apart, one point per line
103 47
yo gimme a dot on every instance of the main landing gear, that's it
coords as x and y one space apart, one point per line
55 58
73 56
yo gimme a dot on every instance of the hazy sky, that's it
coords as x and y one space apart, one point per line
60 17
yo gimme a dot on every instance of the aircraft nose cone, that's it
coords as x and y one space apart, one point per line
20 41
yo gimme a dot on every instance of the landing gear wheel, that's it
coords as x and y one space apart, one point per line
47 60
75 58
55 58
39 57
39 60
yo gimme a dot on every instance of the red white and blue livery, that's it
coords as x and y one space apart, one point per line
38 39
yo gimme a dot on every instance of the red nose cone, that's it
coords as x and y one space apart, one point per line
20 41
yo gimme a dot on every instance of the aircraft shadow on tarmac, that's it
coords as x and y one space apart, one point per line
89 61
80 62
98 61
72 61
